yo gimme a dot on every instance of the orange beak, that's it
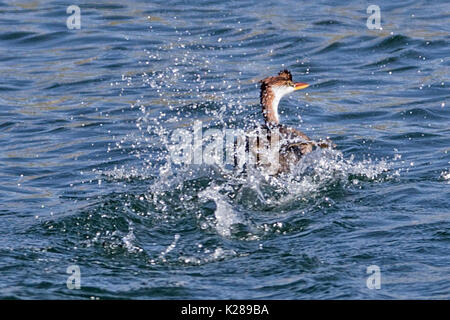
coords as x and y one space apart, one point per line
300 85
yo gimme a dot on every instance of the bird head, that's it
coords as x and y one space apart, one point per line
273 89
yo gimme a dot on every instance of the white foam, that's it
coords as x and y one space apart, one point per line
128 240
217 254
224 213
170 247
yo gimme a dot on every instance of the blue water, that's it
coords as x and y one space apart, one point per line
85 178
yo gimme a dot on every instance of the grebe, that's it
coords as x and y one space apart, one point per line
288 144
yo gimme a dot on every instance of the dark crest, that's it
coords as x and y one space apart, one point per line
283 76
286 74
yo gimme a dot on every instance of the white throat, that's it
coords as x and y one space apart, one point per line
279 92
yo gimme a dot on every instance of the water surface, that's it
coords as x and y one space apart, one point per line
85 177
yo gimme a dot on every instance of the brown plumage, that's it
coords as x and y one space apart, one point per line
292 143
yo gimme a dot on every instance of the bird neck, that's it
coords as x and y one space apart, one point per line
270 98
271 114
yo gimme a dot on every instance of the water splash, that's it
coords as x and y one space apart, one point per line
446 176
170 247
129 242
189 87
224 213
217 254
